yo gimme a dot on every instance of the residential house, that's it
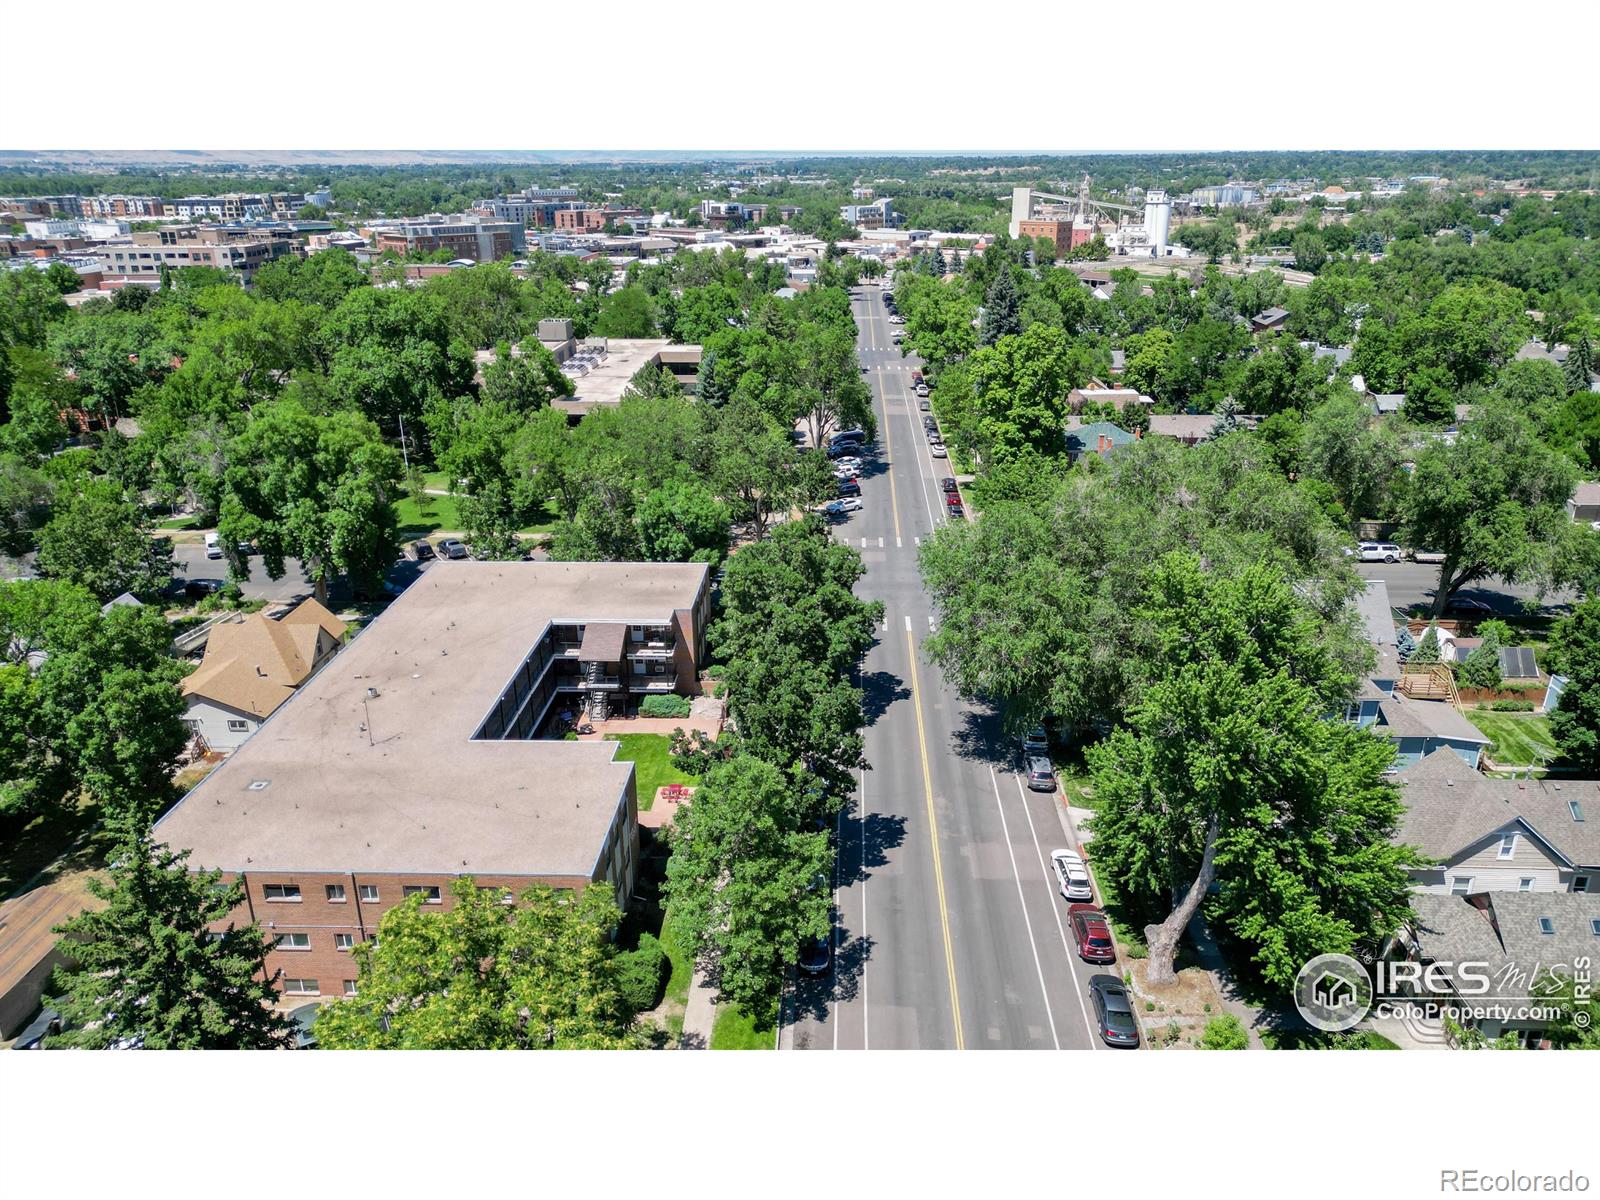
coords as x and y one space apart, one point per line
252 666
1377 624
1419 727
1097 437
1385 403
1516 939
1584 503
1118 398
1189 428
1269 319
1499 835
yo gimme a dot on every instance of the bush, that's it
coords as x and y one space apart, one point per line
664 706
716 671
1225 1033
1512 706
641 973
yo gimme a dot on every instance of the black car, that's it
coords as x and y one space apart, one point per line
1113 1012
199 589
424 550
816 955
849 487
844 449
947 484
453 548
957 513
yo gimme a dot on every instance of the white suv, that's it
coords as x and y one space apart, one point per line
1380 552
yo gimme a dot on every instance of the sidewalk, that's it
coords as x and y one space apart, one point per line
699 1015
1211 961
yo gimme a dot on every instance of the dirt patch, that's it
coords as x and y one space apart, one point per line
1175 1014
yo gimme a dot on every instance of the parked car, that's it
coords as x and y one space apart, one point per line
922 389
199 589
935 438
1113 1012
1467 604
849 487
956 513
929 424
948 483
453 548
423 549
1072 877
847 504
1092 933
1427 556
816 955
1036 741
953 499
844 450
925 406
937 452
1379 552
213 546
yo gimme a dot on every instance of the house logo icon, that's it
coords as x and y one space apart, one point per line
1333 992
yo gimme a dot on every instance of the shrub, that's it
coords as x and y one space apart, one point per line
1225 1033
1512 706
641 973
716 671
664 706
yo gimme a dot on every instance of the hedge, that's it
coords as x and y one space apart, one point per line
641 974
664 706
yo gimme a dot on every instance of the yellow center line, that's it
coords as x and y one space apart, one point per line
888 452
933 832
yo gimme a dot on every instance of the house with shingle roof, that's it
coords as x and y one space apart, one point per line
1499 835
1521 942
252 666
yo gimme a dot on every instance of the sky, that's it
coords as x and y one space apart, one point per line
930 76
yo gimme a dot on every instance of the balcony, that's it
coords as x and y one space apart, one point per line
652 651
601 683
653 683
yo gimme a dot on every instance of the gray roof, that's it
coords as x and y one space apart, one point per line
372 764
1586 494
1400 717
1182 425
1339 354
126 600
1502 930
1272 314
1377 615
1450 808
1389 401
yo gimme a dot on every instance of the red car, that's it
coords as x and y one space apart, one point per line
953 499
1092 932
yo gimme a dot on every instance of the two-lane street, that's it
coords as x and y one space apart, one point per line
952 933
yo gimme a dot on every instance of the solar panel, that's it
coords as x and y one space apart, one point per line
1517 662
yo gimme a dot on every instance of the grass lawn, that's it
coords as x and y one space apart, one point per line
64 838
435 513
188 522
650 754
1314 1039
735 1031
1520 739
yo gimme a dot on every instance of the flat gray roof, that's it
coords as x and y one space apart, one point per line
414 793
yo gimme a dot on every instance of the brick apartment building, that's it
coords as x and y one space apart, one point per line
415 756
580 220
481 241
1064 233
122 206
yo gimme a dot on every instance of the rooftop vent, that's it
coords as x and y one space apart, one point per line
258 785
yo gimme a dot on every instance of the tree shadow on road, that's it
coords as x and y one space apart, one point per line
879 690
980 737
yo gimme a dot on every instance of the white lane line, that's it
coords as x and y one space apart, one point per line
908 622
880 543
1023 901
863 543
1072 959
866 1043
897 544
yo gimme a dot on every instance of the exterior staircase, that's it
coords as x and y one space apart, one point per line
594 673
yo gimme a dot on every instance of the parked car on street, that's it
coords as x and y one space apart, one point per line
956 513
953 499
1427 556
1466 604
1379 552
1072 877
937 451
199 589
925 405
838 508
453 548
1092 933
1036 741
423 549
849 487
816 955
948 483
1113 1012
213 546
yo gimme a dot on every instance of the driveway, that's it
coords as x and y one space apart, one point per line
189 562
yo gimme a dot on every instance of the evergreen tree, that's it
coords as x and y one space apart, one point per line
1405 644
1482 667
1002 309
1575 653
150 972
1227 417
938 264
1579 365
1427 650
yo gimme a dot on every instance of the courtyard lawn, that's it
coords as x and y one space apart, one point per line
735 1031
1520 739
432 515
651 756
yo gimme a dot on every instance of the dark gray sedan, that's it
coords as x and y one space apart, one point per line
1113 1013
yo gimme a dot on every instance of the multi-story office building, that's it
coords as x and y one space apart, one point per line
481 241
580 220
538 214
415 757
877 215
145 254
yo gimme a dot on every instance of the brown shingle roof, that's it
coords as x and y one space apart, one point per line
254 665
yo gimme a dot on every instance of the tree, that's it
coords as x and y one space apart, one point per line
626 314
393 351
25 495
317 488
1579 367
1225 1032
322 279
755 469
1427 651
150 970
1493 502
1309 252
1002 309
1019 394
485 975
748 880
1482 666
1361 460
1227 418
1575 653
1405 644
1230 772
682 522
102 542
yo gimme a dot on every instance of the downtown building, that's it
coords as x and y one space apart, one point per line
481 241
426 751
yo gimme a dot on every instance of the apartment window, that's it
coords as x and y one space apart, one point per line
1508 845
369 893
335 893
237 726
1547 926
282 891
1525 885
349 987
1460 885
300 987
428 892
292 941
344 941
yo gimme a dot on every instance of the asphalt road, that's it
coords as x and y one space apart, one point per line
951 933
1414 583
189 562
